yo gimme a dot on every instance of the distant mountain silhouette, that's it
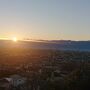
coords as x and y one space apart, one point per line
49 44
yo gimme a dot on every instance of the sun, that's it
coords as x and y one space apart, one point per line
14 39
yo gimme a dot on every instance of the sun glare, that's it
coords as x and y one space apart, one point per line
14 39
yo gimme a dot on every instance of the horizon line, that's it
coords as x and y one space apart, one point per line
42 40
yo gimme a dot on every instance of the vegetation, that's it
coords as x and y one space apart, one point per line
39 66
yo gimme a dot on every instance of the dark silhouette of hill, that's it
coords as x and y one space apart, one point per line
44 44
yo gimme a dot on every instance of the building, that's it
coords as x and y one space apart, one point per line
17 80
12 81
5 84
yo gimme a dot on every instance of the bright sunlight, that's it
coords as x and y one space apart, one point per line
14 39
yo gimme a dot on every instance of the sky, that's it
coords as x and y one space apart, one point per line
45 19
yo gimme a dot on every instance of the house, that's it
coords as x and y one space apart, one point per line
12 81
5 84
17 80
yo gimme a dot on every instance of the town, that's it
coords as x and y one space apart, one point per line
34 69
